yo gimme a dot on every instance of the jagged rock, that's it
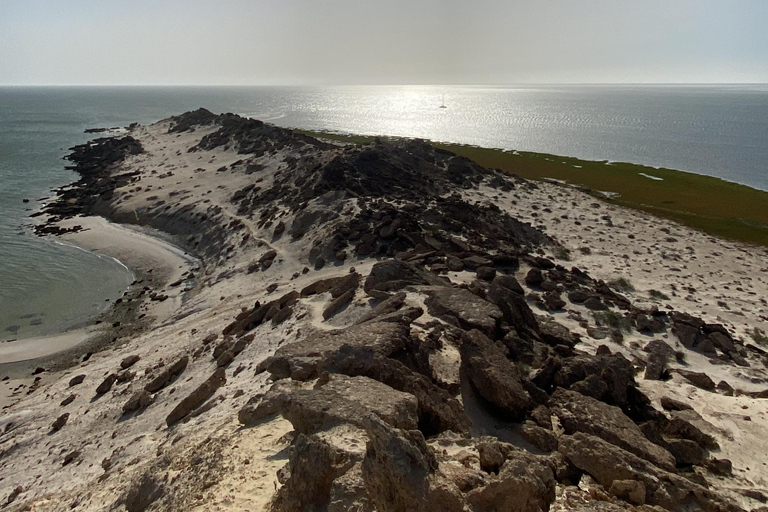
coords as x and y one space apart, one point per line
534 277
336 285
681 425
630 491
464 308
438 410
313 465
542 416
348 493
579 413
167 375
140 400
687 329
227 351
59 423
524 483
386 307
106 384
277 310
486 273
553 301
614 370
726 388
658 356
507 294
554 333
539 437
336 304
398 470
394 275
722 467
129 361
593 386
670 404
595 304
698 379
195 399
685 451
578 296
493 376
77 379
608 463
262 405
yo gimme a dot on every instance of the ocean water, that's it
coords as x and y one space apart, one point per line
45 286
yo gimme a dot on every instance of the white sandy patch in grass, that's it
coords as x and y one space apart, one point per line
650 177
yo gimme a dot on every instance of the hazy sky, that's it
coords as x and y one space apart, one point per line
387 41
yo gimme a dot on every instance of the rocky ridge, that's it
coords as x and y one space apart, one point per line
433 375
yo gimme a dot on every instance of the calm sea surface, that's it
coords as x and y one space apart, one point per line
45 286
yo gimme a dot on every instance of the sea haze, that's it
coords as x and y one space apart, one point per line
714 130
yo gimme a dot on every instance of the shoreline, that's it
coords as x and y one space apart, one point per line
153 261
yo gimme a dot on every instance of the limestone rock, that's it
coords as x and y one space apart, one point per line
493 376
464 307
306 359
608 463
195 399
579 413
313 465
525 483
167 375
698 379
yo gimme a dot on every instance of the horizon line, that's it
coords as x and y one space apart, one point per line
511 84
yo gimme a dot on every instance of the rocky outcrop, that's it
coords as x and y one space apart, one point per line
303 360
493 376
608 463
464 309
579 413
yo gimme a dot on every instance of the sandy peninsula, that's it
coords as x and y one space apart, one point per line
326 326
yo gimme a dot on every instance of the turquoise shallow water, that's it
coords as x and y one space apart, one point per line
44 286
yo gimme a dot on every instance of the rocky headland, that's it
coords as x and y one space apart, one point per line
389 327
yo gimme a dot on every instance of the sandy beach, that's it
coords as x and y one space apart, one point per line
192 327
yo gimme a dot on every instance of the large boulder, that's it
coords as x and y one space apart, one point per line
525 483
341 399
614 370
496 379
438 410
313 465
306 359
508 295
399 473
698 379
607 463
579 413
463 308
